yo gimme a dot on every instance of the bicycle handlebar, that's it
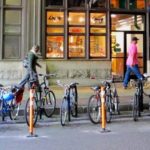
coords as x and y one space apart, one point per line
66 85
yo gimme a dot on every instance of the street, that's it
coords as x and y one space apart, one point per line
78 135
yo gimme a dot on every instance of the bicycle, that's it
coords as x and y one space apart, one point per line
69 105
6 96
138 97
112 102
44 101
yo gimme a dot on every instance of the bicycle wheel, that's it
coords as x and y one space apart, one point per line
2 110
14 109
94 109
135 107
74 101
64 112
27 112
49 103
109 108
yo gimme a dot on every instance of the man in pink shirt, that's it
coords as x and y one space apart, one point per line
132 62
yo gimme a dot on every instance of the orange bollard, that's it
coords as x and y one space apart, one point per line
32 91
103 110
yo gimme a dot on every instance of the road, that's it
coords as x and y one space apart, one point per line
78 135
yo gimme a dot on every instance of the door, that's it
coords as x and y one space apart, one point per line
120 42
140 48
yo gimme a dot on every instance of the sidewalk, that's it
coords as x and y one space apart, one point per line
125 97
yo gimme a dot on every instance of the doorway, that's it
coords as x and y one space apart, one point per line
120 42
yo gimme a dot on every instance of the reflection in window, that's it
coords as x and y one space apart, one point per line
97 30
76 46
12 21
54 30
55 18
127 22
54 2
11 46
117 44
97 3
76 18
13 2
76 3
76 30
55 46
131 4
97 46
97 19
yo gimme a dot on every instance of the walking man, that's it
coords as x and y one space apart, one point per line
132 62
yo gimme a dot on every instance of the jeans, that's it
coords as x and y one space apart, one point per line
135 70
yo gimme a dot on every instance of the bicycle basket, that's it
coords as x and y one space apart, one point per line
19 95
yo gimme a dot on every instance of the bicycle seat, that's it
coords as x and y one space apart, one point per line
73 84
96 88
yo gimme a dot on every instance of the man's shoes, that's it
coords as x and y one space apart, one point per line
124 87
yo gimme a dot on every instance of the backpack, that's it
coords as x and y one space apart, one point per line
25 62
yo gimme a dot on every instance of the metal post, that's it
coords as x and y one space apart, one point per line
31 113
103 110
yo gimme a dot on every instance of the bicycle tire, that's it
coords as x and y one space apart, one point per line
27 112
109 108
2 110
135 108
49 103
94 112
74 101
14 109
64 112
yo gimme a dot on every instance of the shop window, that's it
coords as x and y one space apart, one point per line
76 3
55 18
97 3
76 34
97 30
127 22
128 4
118 4
13 2
97 19
76 18
97 46
54 2
76 46
55 47
55 34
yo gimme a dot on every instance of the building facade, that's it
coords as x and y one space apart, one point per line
78 38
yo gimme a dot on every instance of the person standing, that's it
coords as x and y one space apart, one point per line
31 75
132 62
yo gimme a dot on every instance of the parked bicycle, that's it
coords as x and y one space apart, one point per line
112 102
44 101
6 97
138 97
69 105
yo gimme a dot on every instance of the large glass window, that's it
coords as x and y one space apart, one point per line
97 3
97 35
76 3
13 2
54 2
12 33
127 22
76 34
128 4
55 34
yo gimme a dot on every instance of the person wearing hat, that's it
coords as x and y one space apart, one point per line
132 62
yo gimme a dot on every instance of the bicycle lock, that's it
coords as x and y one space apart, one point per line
31 111
103 110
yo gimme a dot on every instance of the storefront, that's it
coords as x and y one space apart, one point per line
78 38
